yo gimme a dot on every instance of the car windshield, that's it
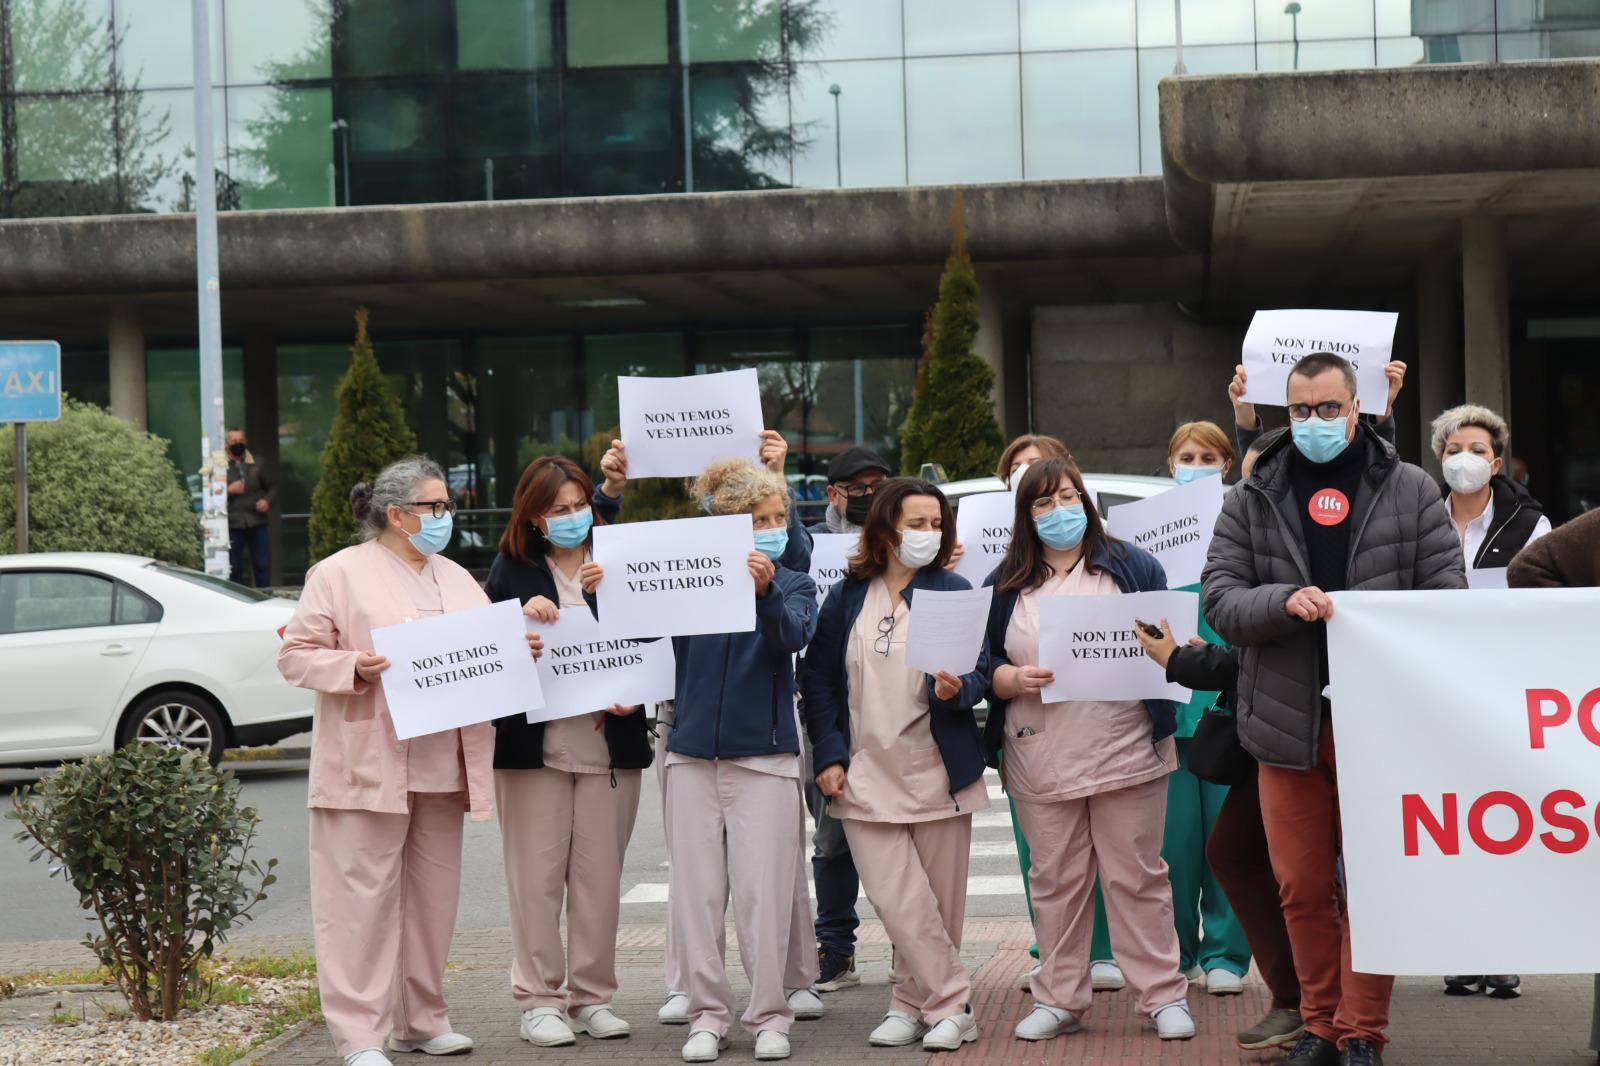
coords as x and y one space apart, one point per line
215 584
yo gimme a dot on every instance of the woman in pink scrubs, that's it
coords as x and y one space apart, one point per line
1088 776
899 756
386 814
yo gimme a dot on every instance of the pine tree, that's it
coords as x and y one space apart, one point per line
369 432
952 419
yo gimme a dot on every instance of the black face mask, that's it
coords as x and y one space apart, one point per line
856 509
237 450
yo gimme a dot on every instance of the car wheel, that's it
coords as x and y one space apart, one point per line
178 719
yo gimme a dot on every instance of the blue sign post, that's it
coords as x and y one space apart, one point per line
30 391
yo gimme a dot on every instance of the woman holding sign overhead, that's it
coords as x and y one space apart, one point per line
1089 777
386 823
897 752
567 790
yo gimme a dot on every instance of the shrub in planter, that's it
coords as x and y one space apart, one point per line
158 847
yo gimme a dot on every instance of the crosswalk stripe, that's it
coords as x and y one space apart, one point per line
982 885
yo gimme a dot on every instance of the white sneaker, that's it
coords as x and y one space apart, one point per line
806 1004
448 1044
601 1022
1174 1022
370 1057
897 1030
1106 976
1046 1023
545 1027
951 1033
1220 982
675 1011
704 1046
771 1044
1026 984
1195 973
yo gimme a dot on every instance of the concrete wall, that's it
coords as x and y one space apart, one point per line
1114 381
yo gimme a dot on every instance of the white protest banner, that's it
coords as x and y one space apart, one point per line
584 668
1175 526
1492 577
830 557
1472 770
983 526
457 669
678 577
676 427
946 630
1277 340
1090 644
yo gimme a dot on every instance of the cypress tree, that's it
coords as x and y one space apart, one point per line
369 432
952 418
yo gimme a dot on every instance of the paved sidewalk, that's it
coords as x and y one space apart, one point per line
1547 1027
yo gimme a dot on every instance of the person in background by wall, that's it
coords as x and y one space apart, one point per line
251 494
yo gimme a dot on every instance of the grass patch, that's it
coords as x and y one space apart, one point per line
64 1017
304 1006
279 966
87 975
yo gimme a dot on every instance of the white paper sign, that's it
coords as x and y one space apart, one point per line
677 578
946 630
676 427
830 558
1490 577
1090 644
457 669
1480 770
983 526
1277 340
1175 526
585 668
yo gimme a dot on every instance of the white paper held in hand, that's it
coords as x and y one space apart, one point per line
585 668
1277 340
946 629
1175 526
676 427
678 577
983 526
458 669
1090 644
830 558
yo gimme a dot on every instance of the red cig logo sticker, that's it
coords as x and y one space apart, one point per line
1328 507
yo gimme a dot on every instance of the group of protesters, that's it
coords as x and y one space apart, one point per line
1163 845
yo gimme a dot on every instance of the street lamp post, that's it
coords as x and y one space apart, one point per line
342 128
1177 36
1293 11
838 155
208 285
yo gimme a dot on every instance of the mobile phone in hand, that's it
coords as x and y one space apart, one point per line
1153 632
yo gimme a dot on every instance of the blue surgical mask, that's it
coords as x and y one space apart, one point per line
772 542
1062 529
1321 440
434 534
1188 475
570 530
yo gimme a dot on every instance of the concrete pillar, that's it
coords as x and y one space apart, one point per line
260 423
126 365
990 343
1486 312
1438 377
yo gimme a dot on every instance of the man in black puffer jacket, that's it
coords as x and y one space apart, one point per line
1329 506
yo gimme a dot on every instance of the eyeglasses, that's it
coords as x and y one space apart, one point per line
1328 410
857 491
1065 498
440 508
885 641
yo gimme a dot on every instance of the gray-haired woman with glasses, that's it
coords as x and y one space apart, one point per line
898 754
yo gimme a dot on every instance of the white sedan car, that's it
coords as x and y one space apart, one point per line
99 650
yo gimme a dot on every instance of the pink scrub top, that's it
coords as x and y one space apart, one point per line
1077 748
896 773
575 745
433 762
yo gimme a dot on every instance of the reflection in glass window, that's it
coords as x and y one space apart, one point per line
504 35
1156 63
720 31
741 126
616 33
61 44
1399 51
282 41
957 27
392 37
849 29
1560 44
156 47
606 357
281 147
1460 48
871 130
963 119
1314 21
172 384
787 383
863 377
1204 22
1080 114
1423 17
397 141
514 121
533 407
1552 15
1050 25
1315 55
68 151
621 133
